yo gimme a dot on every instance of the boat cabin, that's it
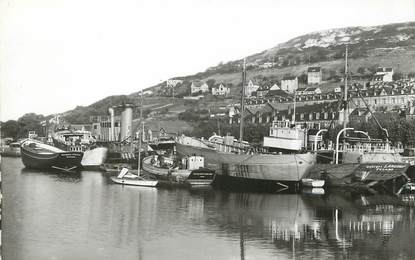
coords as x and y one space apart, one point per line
193 162
287 136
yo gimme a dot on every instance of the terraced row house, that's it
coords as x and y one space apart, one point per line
394 97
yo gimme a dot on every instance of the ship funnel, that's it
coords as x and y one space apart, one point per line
126 122
112 129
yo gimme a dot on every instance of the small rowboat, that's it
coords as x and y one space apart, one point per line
312 183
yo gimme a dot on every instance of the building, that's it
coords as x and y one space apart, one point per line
221 90
314 75
101 130
199 87
308 91
277 93
383 74
275 87
262 91
289 84
251 87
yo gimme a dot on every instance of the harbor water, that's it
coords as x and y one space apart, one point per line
49 215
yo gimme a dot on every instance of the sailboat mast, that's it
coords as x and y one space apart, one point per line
241 126
293 117
140 133
345 120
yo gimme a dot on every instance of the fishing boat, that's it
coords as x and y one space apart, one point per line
126 178
164 167
192 172
238 161
81 140
362 161
11 150
37 155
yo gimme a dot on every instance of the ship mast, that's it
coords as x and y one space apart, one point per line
140 134
241 126
293 117
345 116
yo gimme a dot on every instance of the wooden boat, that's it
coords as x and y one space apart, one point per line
127 178
11 150
314 183
162 172
194 173
37 155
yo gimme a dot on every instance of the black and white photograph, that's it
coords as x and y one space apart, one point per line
207 129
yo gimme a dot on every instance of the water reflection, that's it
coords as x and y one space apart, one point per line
55 174
53 216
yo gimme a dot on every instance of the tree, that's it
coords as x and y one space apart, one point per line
9 129
397 76
210 83
302 78
361 70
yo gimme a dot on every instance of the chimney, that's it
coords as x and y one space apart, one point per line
112 132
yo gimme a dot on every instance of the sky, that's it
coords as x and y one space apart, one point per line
58 54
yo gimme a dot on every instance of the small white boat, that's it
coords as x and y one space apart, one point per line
127 178
312 183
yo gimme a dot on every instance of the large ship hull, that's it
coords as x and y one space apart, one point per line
64 160
41 156
261 167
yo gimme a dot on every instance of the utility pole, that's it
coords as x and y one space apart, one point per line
345 121
345 105
241 126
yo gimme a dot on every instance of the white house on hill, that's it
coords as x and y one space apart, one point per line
383 74
199 87
314 75
251 87
221 90
289 84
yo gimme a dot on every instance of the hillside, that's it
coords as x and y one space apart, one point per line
391 45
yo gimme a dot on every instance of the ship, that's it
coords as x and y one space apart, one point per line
37 155
192 171
11 150
243 163
81 140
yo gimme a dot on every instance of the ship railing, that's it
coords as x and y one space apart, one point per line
368 148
